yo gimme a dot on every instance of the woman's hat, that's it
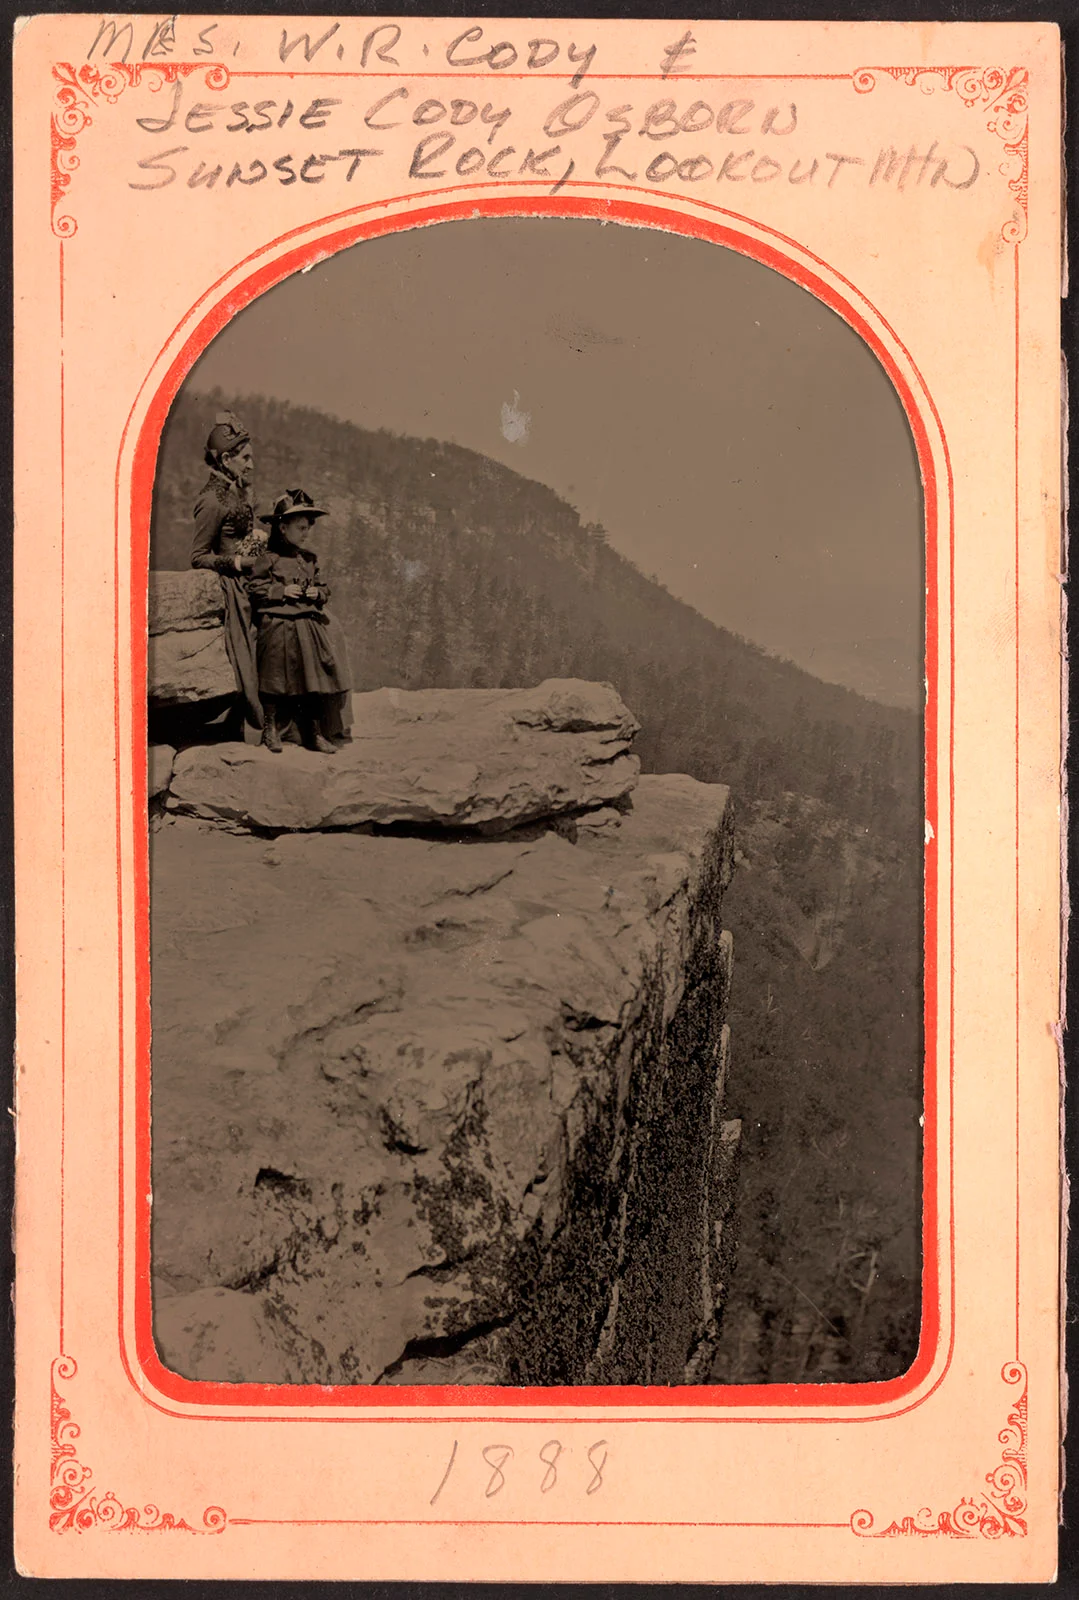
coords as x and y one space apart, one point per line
293 504
228 433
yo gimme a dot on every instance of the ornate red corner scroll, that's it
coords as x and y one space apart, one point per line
999 92
77 89
998 1514
74 1502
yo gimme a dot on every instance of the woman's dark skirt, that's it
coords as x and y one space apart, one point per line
240 648
296 656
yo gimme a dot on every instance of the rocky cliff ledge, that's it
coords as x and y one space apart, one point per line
486 759
438 1106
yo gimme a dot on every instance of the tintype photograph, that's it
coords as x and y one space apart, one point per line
536 720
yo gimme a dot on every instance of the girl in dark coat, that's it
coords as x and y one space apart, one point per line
299 672
226 543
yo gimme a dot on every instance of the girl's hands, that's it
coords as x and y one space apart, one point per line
293 591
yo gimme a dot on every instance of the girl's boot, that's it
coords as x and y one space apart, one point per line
314 738
270 736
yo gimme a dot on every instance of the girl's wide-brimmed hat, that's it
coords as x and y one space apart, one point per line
293 504
228 433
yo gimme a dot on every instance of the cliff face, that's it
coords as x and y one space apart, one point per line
443 1107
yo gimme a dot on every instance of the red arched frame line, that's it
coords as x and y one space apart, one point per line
363 1399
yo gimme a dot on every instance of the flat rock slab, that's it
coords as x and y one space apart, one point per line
488 759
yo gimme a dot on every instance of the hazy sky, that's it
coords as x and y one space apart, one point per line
733 436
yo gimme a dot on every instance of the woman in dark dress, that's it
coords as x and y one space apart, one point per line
300 673
226 543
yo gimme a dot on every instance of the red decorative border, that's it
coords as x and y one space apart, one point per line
78 87
788 258
74 1503
1001 93
999 1514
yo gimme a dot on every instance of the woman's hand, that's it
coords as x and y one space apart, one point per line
293 591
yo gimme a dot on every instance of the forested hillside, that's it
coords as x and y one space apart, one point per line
450 570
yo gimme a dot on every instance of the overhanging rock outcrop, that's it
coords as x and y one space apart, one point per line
444 1110
489 759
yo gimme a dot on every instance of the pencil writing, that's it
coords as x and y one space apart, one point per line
497 1459
714 138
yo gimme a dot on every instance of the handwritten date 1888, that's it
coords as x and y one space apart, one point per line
534 1474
